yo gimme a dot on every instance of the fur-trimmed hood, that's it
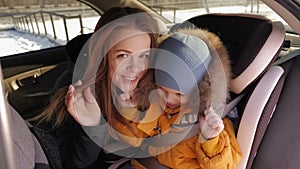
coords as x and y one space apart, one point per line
214 87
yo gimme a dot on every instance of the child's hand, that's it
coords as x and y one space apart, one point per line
83 107
211 125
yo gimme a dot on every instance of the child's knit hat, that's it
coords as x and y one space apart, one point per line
181 62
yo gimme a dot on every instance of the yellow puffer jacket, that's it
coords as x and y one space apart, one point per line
221 152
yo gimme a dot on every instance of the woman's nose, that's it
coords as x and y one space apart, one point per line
136 65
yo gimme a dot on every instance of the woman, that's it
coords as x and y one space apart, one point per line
118 58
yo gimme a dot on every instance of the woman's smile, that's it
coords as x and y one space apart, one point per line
129 61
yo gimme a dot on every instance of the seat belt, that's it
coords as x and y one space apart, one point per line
232 104
119 163
287 57
151 162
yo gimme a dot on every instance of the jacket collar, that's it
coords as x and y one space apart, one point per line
157 109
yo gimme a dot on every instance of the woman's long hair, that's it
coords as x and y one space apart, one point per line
96 73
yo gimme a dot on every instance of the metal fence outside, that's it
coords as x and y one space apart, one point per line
31 23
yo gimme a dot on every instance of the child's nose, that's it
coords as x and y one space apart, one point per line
170 99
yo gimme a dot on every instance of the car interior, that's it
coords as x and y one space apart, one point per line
267 90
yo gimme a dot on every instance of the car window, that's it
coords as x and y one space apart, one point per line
30 28
56 24
179 11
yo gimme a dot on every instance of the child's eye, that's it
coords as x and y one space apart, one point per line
179 94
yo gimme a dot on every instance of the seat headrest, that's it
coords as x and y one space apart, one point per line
253 43
74 46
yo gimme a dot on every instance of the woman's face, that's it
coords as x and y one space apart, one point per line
128 61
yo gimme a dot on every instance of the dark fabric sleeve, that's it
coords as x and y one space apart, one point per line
77 149
41 166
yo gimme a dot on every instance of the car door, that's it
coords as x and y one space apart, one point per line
30 77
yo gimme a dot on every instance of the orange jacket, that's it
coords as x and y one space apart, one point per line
220 152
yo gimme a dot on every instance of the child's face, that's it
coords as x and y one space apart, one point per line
173 98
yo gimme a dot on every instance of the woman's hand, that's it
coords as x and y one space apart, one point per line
211 124
83 106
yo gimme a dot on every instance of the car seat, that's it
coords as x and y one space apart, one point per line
20 147
254 43
73 48
276 142
249 40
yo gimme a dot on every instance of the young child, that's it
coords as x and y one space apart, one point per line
215 146
192 72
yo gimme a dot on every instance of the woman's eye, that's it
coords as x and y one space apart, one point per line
123 55
145 55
